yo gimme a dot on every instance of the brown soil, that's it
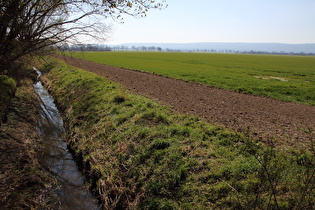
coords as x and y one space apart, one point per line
264 117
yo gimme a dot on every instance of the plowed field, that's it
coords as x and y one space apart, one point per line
263 117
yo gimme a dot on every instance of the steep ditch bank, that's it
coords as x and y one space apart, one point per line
56 158
24 184
140 155
36 169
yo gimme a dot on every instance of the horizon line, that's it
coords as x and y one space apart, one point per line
207 42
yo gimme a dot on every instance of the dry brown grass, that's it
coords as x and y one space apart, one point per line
23 183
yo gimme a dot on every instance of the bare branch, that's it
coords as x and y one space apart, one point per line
28 26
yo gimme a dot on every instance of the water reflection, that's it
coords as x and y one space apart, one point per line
57 159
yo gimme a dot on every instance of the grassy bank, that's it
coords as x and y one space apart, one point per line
24 184
7 87
287 78
138 154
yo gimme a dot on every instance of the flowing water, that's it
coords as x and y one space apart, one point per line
72 192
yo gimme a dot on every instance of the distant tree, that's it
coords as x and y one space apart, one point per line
143 48
27 27
152 48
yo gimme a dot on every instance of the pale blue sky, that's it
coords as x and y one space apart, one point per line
186 21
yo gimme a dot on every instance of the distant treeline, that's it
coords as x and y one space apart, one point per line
99 47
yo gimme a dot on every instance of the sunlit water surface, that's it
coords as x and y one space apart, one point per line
57 159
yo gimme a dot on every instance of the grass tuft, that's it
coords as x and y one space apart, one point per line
8 88
119 99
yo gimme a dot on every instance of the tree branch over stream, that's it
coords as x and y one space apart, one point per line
29 27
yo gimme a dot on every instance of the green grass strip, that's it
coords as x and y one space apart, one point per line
287 78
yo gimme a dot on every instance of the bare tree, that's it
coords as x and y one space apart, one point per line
27 27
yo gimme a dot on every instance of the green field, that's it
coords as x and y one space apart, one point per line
287 78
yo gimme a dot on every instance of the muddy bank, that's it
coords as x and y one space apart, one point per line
37 170
23 183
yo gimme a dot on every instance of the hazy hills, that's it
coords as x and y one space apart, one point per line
222 46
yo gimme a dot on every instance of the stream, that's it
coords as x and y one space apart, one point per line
72 192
